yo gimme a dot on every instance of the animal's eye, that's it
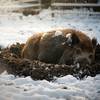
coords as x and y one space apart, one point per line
91 56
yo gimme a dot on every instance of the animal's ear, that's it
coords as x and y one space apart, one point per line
71 39
94 42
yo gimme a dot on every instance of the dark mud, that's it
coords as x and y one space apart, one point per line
10 60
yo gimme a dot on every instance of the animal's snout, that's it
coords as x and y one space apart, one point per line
83 61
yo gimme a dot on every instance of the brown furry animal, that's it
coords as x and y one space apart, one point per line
66 46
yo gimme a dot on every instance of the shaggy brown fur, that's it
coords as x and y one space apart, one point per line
60 46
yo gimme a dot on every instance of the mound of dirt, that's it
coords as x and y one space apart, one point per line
10 59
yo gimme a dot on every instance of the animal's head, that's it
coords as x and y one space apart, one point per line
83 48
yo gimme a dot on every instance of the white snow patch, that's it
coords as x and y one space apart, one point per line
69 39
63 88
57 33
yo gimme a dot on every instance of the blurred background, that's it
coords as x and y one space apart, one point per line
35 6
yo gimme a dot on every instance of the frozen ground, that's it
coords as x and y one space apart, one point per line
17 28
65 88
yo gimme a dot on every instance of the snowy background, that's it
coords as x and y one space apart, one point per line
17 28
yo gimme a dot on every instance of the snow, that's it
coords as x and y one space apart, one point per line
69 39
57 33
17 28
64 88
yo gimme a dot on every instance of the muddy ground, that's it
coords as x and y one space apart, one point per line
11 61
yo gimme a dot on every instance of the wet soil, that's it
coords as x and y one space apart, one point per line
11 61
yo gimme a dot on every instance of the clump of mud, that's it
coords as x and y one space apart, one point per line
10 59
